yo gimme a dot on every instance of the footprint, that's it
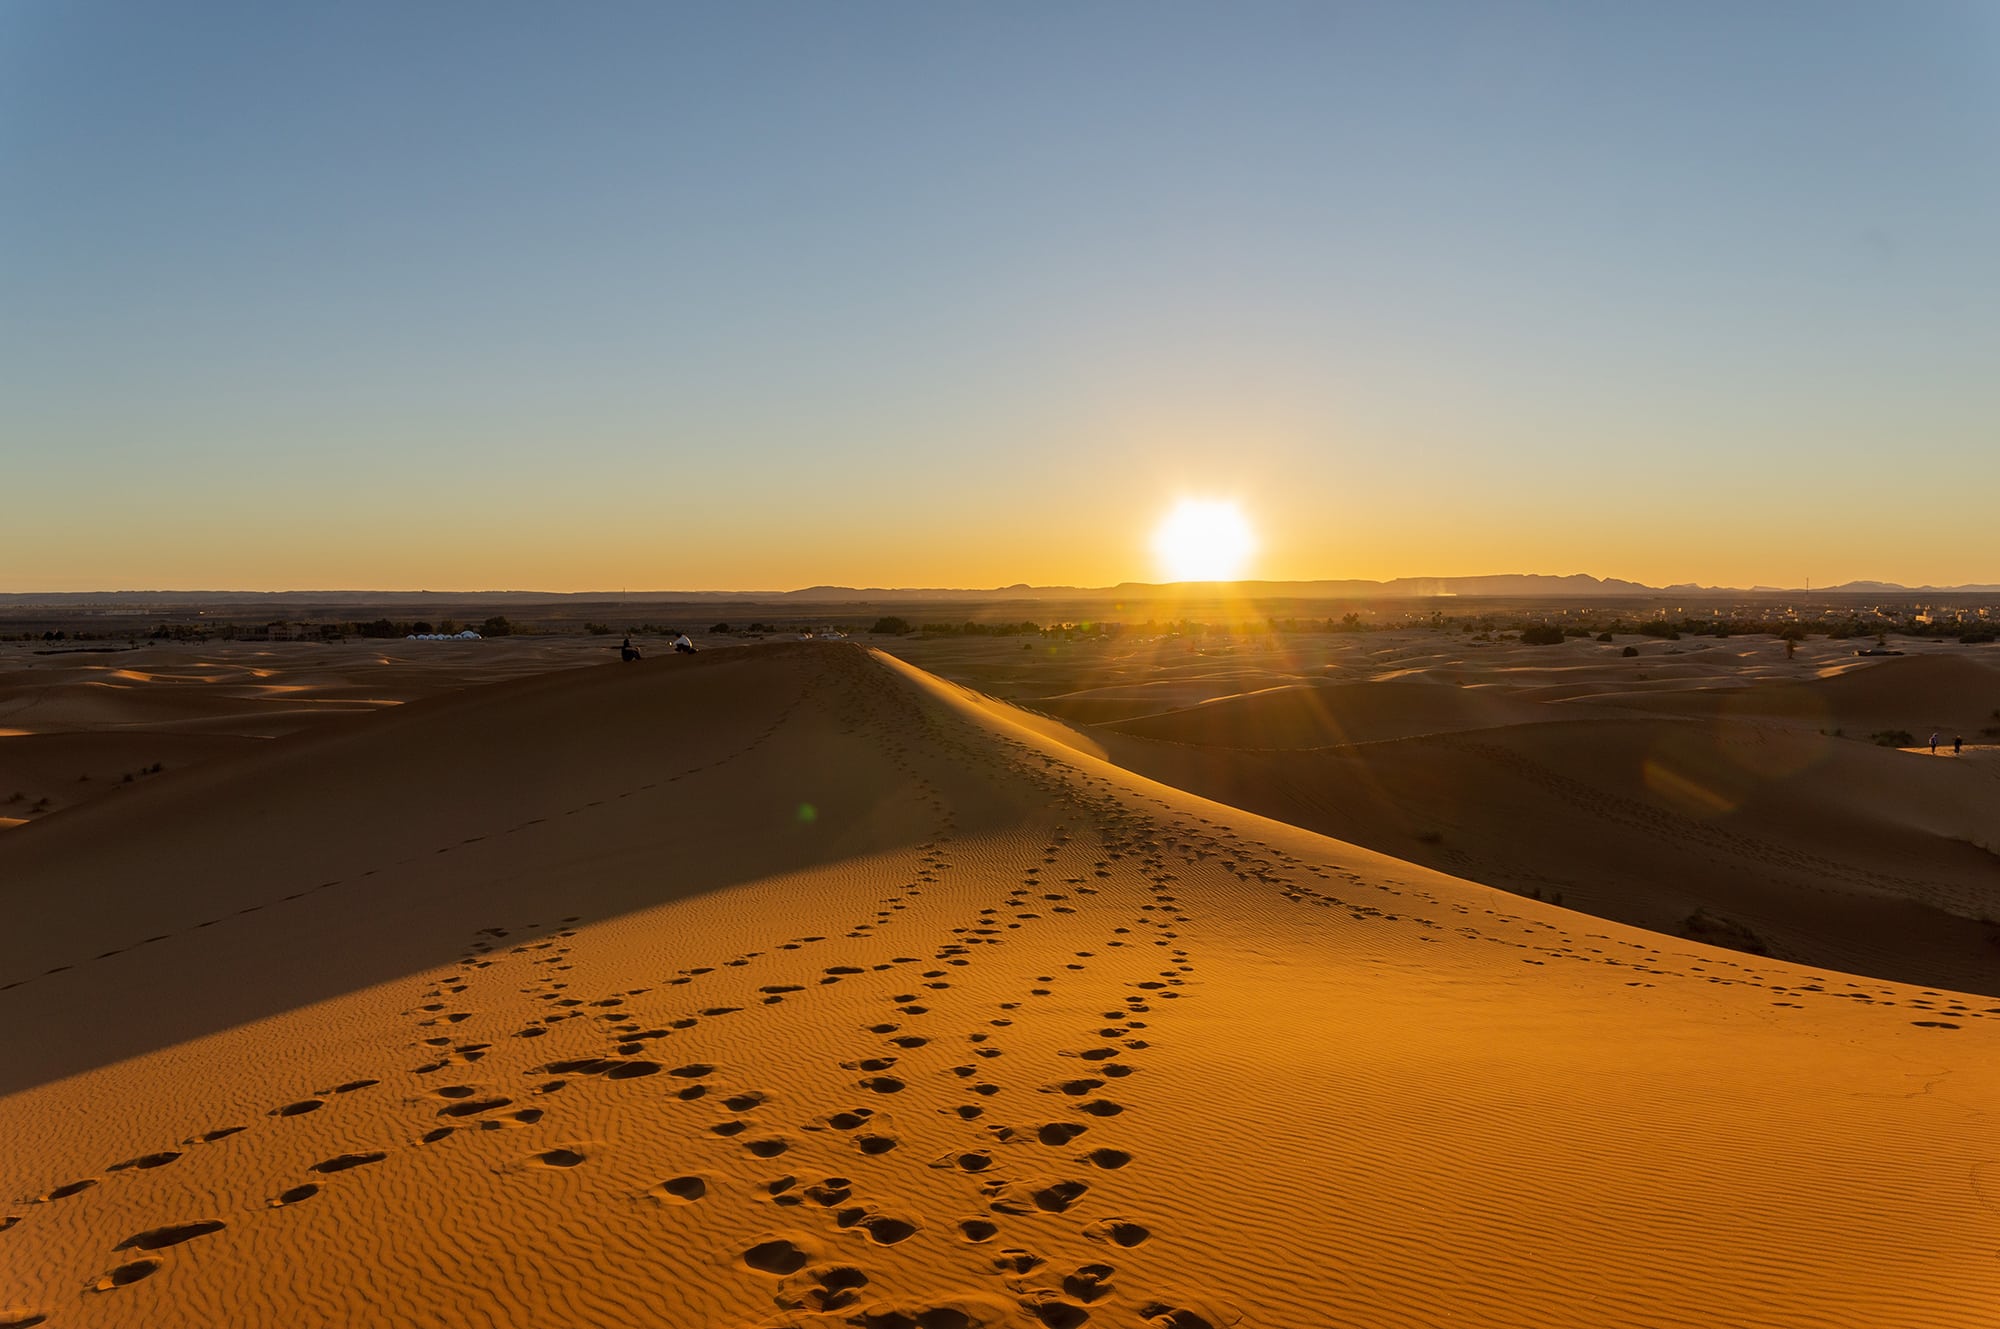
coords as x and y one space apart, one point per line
834 1287
1058 1133
127 1274
472 1107
1052 1311
1107 1158
778 1256
342 1162
1077 1088
1117 1231
63 1192
972 1161
557 1158
159 1238
829 1192
300 1108
632 1070
680 1190
882 1229
294 1195
160 1159
978 1229
1089 1283
1012 1260
887 1229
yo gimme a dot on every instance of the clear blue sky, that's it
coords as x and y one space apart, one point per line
766 295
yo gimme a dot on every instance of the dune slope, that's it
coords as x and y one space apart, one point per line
794 986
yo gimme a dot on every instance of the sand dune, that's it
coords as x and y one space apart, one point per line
1953 693
1320 716
1715 788
796 986
74 724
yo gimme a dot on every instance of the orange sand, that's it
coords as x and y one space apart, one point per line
795 986
1711 778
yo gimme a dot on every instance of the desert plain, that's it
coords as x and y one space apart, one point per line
1341 980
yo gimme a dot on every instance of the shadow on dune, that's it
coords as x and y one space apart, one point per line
378 848
1822 851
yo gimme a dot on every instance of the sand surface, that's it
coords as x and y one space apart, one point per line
794 985
78 724
1702 778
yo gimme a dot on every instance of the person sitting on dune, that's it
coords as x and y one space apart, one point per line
628 652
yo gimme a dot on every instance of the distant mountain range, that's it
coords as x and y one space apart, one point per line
1503 586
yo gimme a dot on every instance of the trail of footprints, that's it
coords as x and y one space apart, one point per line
1028 1154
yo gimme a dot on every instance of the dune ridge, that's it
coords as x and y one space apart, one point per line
796 985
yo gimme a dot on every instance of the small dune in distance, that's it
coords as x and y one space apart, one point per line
925 963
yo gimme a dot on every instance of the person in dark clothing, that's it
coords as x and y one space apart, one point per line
628 652
1957 742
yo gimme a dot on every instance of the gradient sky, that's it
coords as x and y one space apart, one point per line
745 295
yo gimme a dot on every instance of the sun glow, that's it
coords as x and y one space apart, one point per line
1204 540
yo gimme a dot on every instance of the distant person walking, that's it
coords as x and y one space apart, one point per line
1933 735
1957 742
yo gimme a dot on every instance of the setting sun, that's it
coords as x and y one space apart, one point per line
1203 540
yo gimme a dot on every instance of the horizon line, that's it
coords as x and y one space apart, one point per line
1413 583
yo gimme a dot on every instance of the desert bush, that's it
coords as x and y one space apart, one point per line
1629 652
1604 636
1541 634
889 625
